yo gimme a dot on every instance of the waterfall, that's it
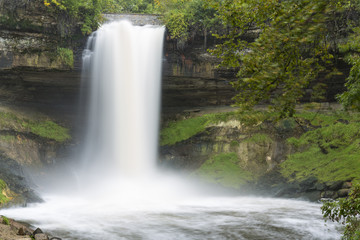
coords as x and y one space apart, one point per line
121 194
122 69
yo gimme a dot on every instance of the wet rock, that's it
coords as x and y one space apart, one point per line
18 181
37 231
311 196
41 236
327 194
320 186
335 185
308 184
22 229
343 192
347 185
287 190
55 238
21 232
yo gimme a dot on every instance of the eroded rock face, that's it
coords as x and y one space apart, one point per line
30 35
259 152
29 152
257 157
191 78
18 182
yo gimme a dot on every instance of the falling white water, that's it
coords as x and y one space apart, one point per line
124 62
122 195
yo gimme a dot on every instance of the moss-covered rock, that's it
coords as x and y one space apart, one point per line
33 36
31 141
312 154
6 194
224 169
329 150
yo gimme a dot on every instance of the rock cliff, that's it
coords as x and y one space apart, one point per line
255 153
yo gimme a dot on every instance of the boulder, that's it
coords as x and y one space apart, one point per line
347 185
343 192
41 236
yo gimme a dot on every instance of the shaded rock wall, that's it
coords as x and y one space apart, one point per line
257 157
31 33
260 150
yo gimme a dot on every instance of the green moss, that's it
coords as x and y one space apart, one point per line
184 129
259 138
329 153
329 137
285 125
3 198
7 138
234 143
66 56
5 220
323 119
224 169
11 23
46 129
337 165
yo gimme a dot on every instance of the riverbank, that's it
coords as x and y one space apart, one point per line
13 230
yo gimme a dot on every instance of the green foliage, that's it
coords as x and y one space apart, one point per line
293 46
187 18
258 138
351 48
87 11
66 56
3 198
224 169
323 119
127 6
347 212
137 6
234 143
329 150
46 129
177 23
338 164
5 220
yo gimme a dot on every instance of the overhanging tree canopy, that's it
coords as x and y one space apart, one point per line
291 50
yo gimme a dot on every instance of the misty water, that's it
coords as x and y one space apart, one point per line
115 191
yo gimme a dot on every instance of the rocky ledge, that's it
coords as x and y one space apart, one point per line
13 230
253 153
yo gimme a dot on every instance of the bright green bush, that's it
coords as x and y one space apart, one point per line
347 212
66 56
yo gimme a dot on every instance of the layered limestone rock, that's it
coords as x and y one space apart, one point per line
248 156
31 36
258 153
